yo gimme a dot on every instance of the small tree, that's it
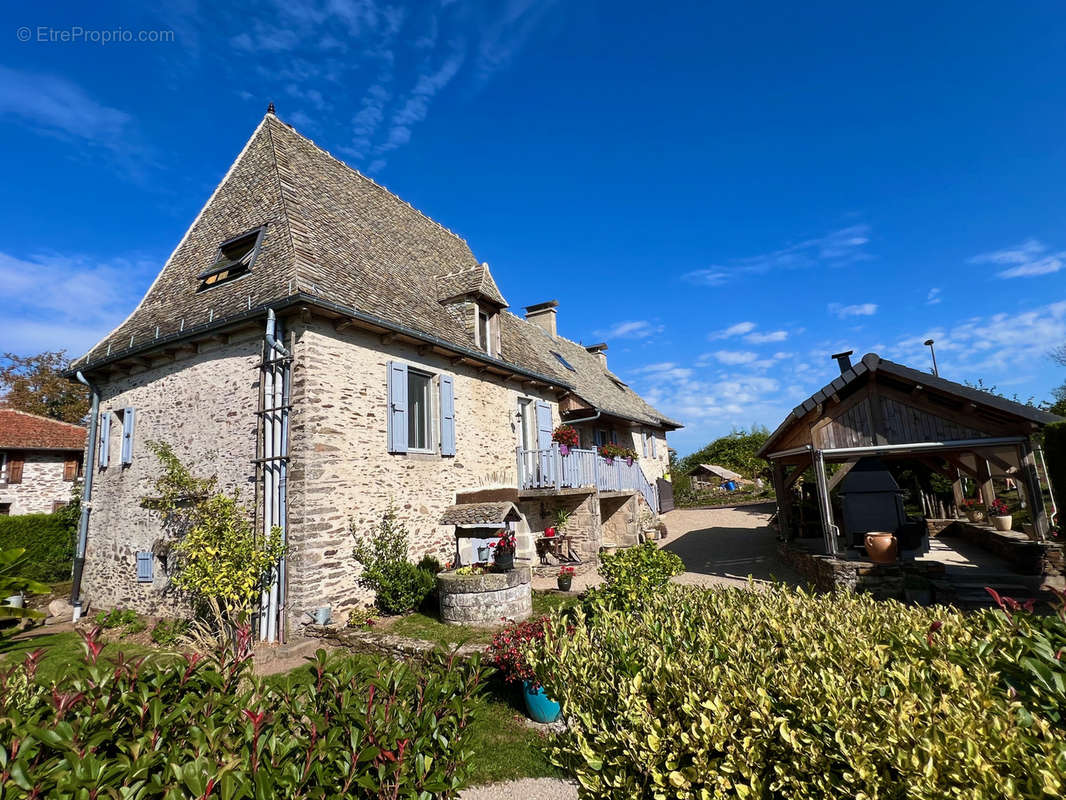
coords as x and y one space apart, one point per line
35 384
11 583
222 563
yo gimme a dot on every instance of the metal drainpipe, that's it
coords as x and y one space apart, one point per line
275 500
86 497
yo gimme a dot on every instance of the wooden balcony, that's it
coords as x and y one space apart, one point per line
550 470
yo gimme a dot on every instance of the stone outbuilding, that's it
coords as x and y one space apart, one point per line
40 460
329 352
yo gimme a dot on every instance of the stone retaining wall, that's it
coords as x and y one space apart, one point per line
485 599
1027 557
883 581
385 644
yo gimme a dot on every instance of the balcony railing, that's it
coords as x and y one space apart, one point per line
550 469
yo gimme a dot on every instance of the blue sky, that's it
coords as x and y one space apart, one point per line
727 193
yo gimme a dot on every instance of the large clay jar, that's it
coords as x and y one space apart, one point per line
881 548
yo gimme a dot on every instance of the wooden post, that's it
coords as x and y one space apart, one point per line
784 501
988 489
956 489
1032 486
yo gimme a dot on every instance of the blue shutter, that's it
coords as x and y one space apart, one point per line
544 426
397 414
447 415
105 439
145 566
127 435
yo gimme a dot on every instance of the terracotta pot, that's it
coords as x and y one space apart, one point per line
1002 523
881 548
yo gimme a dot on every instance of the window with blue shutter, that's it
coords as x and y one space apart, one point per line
145 566
127 435
447 415
544 425
105 439
397 413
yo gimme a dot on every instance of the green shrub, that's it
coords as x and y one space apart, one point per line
198 728
399 586
780 694
430 564
116 618
49 541
168 632
631 575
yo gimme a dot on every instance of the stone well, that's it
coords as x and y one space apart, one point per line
485 599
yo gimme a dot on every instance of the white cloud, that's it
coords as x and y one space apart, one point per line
933 297
738 329
857 310
1025 260
634 329
837 248
734 357
764 338
61 302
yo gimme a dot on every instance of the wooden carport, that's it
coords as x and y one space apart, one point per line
879 408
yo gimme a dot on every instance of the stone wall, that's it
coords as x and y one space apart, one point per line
1025 555
341 468
42 483
203 405
884 581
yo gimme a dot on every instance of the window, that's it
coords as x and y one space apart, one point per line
3 467
5 509
528 422
418 414
234 258
563 361
484 332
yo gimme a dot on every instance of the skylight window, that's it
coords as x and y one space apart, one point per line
563 361
235 258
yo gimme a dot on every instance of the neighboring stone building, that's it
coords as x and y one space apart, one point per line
40 460
396 376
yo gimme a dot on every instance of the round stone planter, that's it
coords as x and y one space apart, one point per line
485 599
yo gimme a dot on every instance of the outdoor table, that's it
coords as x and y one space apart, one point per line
561 546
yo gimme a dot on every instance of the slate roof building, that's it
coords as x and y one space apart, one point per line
40 459
329 351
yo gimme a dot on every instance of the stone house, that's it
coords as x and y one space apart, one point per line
324 348
40 459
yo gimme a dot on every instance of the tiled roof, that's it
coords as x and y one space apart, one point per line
721 472
22 431
333 234
475 515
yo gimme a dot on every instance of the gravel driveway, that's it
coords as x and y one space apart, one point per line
525 789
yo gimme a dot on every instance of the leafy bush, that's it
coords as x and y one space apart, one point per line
49 541
116 618
198 728
13 581
736 451
401 587
430 564
168 632
398 585
634 574
781 694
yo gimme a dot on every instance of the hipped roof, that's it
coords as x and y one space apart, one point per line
20 430
336 238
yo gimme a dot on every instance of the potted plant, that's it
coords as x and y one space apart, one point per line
504 550
971 507
507 654
1000 514
567 438
565 578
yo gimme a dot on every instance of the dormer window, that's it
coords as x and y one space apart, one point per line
234 258
486 330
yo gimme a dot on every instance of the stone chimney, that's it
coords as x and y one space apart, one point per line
543 314
599 350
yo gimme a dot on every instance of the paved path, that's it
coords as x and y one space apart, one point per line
525 789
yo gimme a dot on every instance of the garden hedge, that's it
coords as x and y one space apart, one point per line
49 541
727 693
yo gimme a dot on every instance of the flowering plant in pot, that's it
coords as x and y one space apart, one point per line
971 507
566 576
567 438
611 451
503 550
507 653
1001 516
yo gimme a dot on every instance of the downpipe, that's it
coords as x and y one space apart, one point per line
86 496
275 435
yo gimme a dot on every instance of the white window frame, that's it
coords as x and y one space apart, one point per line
432 400
3 467
487 346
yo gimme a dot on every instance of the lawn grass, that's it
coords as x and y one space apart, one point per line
64 650
427 625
